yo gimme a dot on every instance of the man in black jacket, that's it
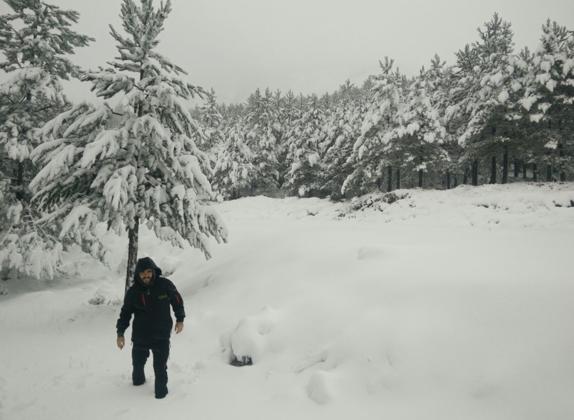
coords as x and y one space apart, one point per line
149 300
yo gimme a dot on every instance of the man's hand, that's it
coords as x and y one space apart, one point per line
121 341
178 327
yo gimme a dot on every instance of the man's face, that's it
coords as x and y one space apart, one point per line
146 276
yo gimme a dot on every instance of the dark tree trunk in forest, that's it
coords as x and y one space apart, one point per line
475 172
390 178
398 178
132 251
524 170
420 178
535 172
548 173
561 165
19 189
465 177
505 165
455 181
448 180
493 170
516 170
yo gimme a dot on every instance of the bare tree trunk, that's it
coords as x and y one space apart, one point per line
390 178
420 178
132 251
515 164
505 165
524 170
448 180
493 170
398 178
475 172
535 172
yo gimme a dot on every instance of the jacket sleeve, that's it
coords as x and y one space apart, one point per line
125 314
176 301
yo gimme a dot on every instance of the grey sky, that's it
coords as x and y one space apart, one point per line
309 46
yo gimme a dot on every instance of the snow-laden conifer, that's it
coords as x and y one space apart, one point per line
133 159
36 40
548 98
378 132
342 128
303 156
264 135
234 170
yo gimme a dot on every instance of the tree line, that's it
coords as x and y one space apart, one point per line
494 116
147 155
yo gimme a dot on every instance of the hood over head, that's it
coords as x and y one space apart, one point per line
142 265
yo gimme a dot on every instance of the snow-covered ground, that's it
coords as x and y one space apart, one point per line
443 305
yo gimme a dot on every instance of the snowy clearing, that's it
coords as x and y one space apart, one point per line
442 305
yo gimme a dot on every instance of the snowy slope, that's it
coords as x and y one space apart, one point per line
442 305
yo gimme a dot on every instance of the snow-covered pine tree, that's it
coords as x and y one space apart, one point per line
484 74
211 123
135 161
290 111
377 146
303 151
263 130
35 39
549 98
423 128
342 128
234 170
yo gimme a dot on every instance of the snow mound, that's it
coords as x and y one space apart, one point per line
247 343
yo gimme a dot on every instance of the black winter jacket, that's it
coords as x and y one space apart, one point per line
150 306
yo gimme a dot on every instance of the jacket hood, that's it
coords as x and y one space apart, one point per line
142 265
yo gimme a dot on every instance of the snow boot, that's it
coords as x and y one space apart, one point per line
138 376
160 392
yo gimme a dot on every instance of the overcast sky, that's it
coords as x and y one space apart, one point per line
309 46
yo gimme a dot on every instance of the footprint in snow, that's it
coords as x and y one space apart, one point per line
247 342
318 388
370 253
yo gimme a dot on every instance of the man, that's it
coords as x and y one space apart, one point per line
149 299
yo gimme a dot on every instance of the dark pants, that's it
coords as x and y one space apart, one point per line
140 353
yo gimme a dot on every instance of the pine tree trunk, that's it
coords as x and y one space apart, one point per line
475 172
20 181
132 252
535 172
561 158
548 173
133 232
390 178
516 170
465 176
398 178
524 170
505 165
448 180
420 178
493 170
